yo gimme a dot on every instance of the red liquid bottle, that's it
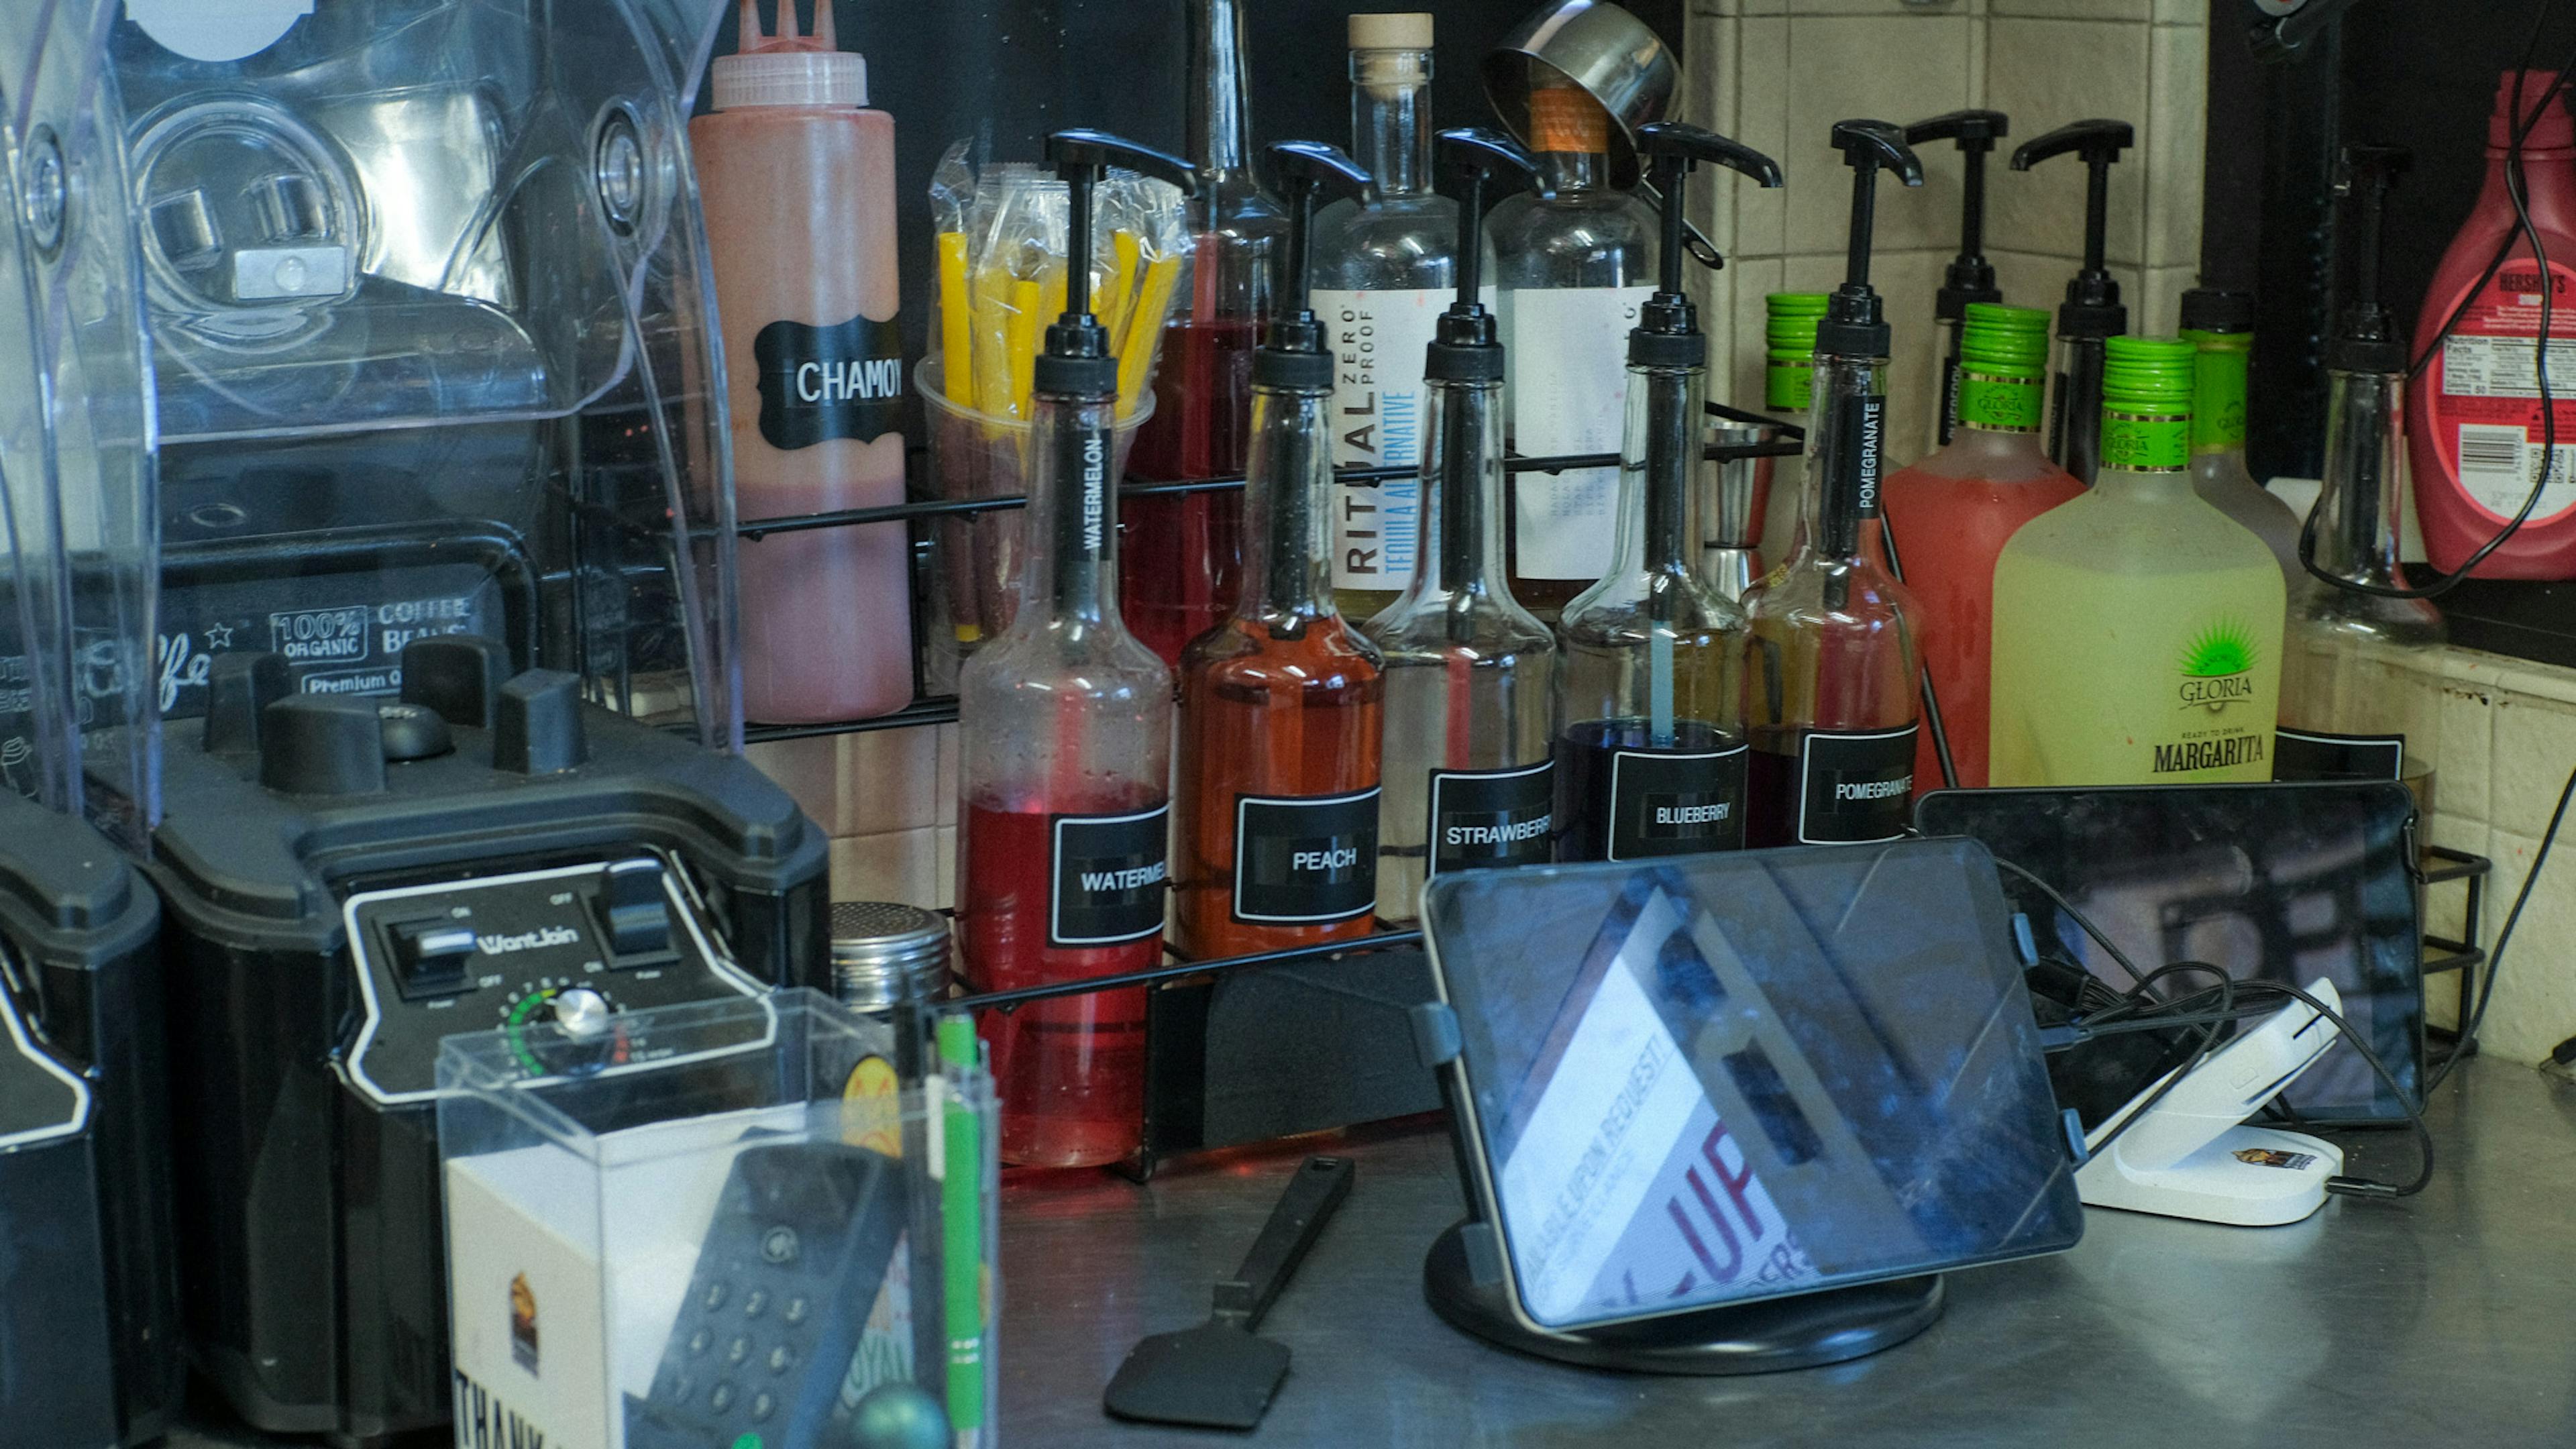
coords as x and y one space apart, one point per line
1276 839
1066 724
1831 673
1953 512
1183 568
2473 424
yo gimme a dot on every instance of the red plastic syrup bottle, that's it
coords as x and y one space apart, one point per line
2473 419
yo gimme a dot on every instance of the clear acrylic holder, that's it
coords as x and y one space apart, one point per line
716 1224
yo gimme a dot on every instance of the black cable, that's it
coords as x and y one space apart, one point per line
2504 937
2200 1054
2080 918
2524 229
2362 1186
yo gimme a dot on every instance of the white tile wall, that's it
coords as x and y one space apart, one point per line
1777 73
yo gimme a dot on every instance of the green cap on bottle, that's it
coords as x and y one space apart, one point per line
1790 335
2146 403
2003 367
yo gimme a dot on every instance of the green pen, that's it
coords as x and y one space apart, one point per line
962 1234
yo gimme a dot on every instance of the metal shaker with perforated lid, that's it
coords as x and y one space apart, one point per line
884 953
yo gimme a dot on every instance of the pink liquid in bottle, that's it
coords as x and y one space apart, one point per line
799 188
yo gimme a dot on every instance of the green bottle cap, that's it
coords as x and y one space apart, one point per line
2146 403
2221 362
2003 367
1797 304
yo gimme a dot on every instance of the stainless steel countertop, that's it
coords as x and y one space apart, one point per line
2448 1318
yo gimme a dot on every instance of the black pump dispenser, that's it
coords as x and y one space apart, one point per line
2092 313
1971 278
1855 324
2092 307
1292 353
1667 332
1077 362
2366 337
1467 157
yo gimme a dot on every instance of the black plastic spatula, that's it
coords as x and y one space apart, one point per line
1219 1375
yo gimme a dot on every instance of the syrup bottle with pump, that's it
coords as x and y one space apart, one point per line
1065 725
1650 753
1276 840
2474 420
1469 672
2349 706
1831 677
2092 313
1971 277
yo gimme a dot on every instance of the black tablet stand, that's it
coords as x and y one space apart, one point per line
1805 1331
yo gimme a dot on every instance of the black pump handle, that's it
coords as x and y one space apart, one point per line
2100 142
1973 130
1869 145
1081 154
1470 157
1081 157
1303 170
1685 145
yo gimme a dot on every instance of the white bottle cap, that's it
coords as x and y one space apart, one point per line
790 78
1410 30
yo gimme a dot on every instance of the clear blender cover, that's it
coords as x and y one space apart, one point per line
1743 1076
75 433
428 295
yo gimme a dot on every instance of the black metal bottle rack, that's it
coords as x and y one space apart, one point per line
928 709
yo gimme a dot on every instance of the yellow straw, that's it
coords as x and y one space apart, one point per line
1118 290
1026 298
1144 332
993 345
956 321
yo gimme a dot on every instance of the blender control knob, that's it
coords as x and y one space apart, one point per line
581 1012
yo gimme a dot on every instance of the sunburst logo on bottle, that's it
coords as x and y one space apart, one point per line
2218 667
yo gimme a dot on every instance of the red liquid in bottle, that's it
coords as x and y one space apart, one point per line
1071 1071
1184 564
1949 531
1265 714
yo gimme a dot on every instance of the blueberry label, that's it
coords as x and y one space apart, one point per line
2307 755
1666 802
1304 860
1110 871
1856 787
1483 818
818 383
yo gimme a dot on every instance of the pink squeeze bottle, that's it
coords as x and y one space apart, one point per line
797 177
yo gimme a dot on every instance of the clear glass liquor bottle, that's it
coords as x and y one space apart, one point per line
1385 267
2360 692
2221 325
1186 567
1574 263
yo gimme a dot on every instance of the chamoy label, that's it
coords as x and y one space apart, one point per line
1566 360
2314 755
2485 393
1378 412
1109 877
1305 860
1665 802
1855 786
820 383
1492 817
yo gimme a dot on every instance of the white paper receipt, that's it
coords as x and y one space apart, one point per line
1625 1194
